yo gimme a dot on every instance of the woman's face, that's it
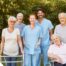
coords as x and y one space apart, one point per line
56 40
32 19
11 23
62 19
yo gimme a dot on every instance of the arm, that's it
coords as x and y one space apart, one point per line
50 32
2 44
20 43
54 57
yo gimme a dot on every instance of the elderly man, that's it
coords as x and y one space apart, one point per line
19 24
61 28
57 51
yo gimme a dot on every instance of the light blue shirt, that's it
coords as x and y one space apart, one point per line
20 27
46 25
31 37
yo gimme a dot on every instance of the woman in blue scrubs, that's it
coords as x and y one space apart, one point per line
31 37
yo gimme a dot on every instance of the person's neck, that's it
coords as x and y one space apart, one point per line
32 26
59 44
10 29
63 25
18 22
40 20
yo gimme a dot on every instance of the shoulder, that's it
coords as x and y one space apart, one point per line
16 30
26 27
5 29
52 46
57 26
47 20
64 44
23 24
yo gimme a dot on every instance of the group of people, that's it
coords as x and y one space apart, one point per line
35 40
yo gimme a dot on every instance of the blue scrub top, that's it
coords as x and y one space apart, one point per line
31 37
46 25
20 27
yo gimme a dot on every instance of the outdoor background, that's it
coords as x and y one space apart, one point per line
12 7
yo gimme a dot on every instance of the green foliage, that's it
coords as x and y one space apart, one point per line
12 7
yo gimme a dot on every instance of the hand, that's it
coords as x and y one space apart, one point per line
58 59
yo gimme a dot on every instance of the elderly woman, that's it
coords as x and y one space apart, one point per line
57 52
10 41
60 29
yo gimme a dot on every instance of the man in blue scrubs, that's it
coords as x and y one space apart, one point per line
46 27
31 37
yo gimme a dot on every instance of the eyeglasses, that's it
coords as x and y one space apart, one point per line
13 21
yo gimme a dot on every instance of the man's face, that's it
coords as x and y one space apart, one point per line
40 14
20 18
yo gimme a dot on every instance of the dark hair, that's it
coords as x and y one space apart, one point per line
41 9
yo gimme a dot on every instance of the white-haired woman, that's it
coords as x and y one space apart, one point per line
61 28
10 41
57 51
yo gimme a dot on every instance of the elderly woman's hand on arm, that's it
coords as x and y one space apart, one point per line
54 58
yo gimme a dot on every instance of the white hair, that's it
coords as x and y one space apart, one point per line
61 14
54 36
11 18
20 14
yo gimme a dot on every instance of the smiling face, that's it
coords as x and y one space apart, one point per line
56 40
11 22
32 19
40 14
62 18
20 17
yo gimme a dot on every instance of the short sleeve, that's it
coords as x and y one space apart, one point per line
23 32
50 25
3 33
18 32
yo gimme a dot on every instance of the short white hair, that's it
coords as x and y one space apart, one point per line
54 36
61 14
12 18
20 14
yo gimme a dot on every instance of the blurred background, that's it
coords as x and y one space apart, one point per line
12 7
